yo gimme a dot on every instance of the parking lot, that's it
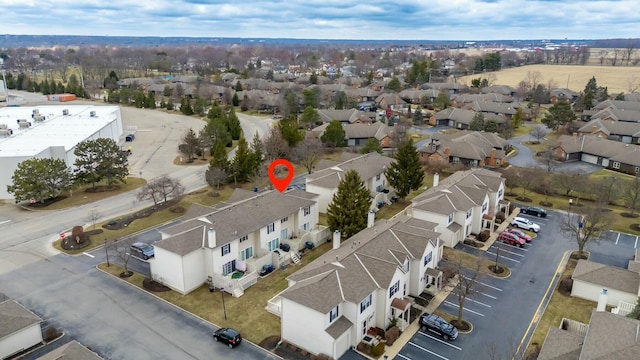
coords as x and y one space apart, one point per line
613 248
499 309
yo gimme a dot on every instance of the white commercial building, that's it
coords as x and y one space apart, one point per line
51 131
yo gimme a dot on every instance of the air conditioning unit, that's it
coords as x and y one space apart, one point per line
92 113
370 340
6 132
65 112
24 124
38 117
20 121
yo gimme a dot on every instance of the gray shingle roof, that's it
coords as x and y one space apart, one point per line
561 345
14 317
618 104
235 220
594 145
474 145
611 336
610 277
367 166
71 351
362 264
339 327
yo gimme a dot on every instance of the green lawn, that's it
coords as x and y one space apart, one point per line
81 196
246 313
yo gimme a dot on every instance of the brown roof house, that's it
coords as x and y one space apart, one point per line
626 132
607 336
358 134
362 283
472 148
563 95
230 244
19 329
591 149
391 101
464 203
370 167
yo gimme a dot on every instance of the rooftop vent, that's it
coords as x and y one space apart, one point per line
65 112
92 113
35 112
3 126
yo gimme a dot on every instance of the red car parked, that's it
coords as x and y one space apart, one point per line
511 239
521 234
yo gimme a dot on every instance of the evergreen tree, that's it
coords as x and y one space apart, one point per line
350 205
442 101
199 106
313 79
235 100
100 159
394 85
170 105
45 87
239 86
516 120
491 126
559 114
219 158
185 106
233 124
309 117
288 128
310 98
334 135
242 166
39 179
405 173
215 132
635 313
477 123
257 152
370 146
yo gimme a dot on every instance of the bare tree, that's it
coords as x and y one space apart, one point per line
275 146
161 189
629 51
570 182
548 157
633 83
539 132
586 225
121 250
465 279
93 217
533 78
606 189
526 178
511 175
631 194
216 177
307 153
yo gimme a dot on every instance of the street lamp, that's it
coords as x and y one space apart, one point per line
224 308
106 252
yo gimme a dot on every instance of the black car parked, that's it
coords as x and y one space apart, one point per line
532 210
438 325
228 336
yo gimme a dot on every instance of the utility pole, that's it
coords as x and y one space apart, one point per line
106 250
224 308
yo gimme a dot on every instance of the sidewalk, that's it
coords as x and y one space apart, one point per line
393 350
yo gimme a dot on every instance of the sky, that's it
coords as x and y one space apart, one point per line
327 19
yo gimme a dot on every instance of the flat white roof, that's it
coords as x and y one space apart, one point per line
56 130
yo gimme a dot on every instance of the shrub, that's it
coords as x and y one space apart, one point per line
484 235
505 164
392 335
50 334
378 350
500 217
322 357
566 285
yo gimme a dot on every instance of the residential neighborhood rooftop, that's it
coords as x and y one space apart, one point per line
15 317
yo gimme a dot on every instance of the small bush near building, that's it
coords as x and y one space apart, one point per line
392 335
484 235
378 350
500 217
566 285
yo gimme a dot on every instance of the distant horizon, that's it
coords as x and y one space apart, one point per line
337 20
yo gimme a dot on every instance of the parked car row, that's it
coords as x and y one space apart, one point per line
515 236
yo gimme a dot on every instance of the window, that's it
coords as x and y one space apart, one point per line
229 267
244 238
616 165
271 228
379 188
307 210
273 244
364 304
305 226
394 288
404 290
226 248
284 220
378 177
468 213
333 314
500 193
283 234
637 169
427 258
450 218
246 253
484 207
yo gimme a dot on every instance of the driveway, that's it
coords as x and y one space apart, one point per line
113 318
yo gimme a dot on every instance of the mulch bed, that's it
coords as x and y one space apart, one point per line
635 227
545 203
523 199
270 342
102 188
462 326
125 221
496 269
629 215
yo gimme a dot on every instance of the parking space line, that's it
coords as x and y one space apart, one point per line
89 255
479 303
510 252
485 284
465 309
438 340
617 237
636 244
404 357
427 350
504 257
487 295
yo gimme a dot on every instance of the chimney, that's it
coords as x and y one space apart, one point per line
493 153
447 152
211 238
371 219
436 179
336 239
602 300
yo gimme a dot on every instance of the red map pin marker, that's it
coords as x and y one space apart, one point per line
280 184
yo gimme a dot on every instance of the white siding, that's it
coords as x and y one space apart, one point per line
193 269
219 260
588 291
384 307
305 328
324 198
342 344
20 340
166 268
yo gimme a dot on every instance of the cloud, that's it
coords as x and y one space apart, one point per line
327 19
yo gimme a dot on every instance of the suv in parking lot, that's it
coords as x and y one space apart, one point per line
524 223
511 239
532 210
142 250
438 325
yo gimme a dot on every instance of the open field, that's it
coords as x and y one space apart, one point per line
617 79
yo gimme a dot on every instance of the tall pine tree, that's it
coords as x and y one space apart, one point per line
406 173
349 207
